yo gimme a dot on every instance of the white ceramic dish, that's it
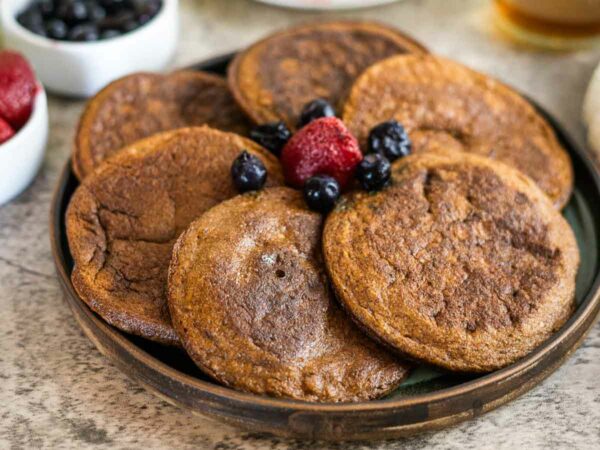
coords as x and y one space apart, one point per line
22 155
326 4
82 69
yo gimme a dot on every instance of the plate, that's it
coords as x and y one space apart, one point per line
427 400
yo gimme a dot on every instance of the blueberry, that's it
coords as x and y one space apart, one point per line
96 13
374 172
119 21
113 5
146 7
56 29
321 192
72 11
248 172
272 136
129 25
84 33
109 34
46 7
314 110
31 18
390 139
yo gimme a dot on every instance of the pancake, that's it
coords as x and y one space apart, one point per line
251 301
123 220
462 262
274 78
140 105
444 104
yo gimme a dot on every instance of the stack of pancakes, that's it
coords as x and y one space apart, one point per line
464 262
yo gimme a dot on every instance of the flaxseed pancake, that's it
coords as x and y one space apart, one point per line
251 302
125 217
142 104
462 262
274 78
442 102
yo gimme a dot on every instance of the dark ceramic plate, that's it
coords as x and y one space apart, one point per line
427 400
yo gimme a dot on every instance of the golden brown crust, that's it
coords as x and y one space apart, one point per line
462 262
444 104
274 78
140 105
251 301
124 218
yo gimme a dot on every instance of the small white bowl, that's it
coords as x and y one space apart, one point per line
22 155
81 69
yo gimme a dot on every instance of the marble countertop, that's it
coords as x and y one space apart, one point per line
57 391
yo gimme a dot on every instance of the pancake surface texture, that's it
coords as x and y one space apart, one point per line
251 302
444 104
143 104
462 262
274 78
124 219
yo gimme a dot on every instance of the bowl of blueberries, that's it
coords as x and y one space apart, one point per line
79 46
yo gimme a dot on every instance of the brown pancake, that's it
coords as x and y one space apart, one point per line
444 104
251 301
462 262
142 104
274 78
124 218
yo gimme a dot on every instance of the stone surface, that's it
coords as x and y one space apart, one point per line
57 391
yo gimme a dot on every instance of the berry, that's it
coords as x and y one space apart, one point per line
96 13
17 89
33 20
6 131
390 139
56 29
323 147
72 12
113 5
109 34
129 25
314 110
374 172
147 8
272 136
30 17
248 172
46 7
321 192
85 32
121 20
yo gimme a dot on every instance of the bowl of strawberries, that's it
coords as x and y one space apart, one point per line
23 125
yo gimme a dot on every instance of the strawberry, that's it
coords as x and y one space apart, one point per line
6 131
323 147
17 89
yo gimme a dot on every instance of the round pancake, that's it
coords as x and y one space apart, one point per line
124 218
251 301
142 104
462 262
274 78
442 103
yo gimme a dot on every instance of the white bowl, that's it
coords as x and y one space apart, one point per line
22 155
82 68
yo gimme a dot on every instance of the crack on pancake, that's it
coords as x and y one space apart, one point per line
124 219
446 106
455 253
